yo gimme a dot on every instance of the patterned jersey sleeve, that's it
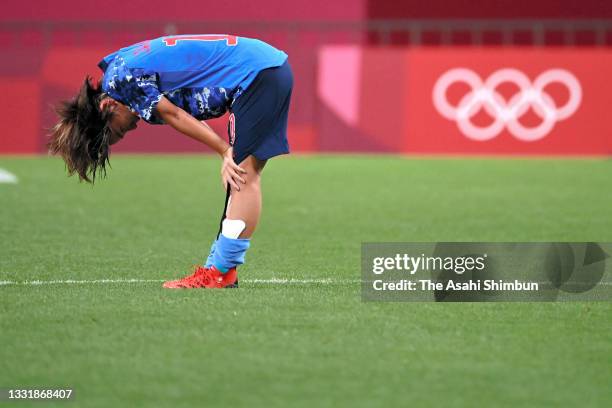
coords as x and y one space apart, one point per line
135 88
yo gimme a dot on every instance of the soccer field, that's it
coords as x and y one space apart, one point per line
296 333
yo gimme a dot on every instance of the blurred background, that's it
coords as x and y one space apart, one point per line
366 71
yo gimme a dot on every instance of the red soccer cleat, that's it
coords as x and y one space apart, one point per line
194 280
205 278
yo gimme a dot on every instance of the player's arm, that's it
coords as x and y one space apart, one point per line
190 126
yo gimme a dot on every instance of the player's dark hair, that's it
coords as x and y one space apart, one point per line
82 134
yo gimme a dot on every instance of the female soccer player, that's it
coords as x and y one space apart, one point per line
180 81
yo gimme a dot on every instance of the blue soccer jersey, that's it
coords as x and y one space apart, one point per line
202 74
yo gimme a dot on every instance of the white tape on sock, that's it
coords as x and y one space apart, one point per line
232 228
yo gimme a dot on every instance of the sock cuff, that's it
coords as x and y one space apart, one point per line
229 252
234 241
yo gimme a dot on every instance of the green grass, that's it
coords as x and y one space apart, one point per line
134 344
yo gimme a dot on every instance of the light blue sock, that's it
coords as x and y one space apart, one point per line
209 260
229 253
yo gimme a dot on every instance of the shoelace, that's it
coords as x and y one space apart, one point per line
195 278
206 278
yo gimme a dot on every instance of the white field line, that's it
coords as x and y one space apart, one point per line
273 281
7 177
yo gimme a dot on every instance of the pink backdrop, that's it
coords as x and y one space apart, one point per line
48 48
184 10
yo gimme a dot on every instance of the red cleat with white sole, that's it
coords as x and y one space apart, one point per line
204 277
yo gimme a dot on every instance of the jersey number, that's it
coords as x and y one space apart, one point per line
230 40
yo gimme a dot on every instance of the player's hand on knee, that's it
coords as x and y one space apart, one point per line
230 171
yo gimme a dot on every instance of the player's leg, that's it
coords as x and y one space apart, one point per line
241 217
246 204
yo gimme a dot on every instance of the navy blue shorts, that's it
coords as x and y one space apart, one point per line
258 119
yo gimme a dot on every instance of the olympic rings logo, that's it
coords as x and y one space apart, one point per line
506 114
